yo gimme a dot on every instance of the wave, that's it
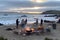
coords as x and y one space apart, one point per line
10 19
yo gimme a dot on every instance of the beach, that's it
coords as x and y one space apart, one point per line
55 34
29 19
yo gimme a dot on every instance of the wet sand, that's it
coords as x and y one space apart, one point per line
55 34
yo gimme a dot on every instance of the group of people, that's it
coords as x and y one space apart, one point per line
41 22
23 23
29 30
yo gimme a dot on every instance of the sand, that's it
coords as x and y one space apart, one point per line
55 34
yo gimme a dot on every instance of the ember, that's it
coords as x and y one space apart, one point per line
32 29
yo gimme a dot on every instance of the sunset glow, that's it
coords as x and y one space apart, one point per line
25 10
30 12
38 1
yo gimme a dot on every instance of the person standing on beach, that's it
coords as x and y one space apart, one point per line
25 21
41 22
17 23
37 21
22 23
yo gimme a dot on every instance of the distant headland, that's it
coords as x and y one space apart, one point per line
51 12
46 12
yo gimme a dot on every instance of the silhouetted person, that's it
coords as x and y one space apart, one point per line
36 21
23 23
41 22
54 25
26 21
17 23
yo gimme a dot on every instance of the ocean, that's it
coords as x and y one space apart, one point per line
10 18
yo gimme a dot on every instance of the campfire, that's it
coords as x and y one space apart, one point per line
28 29
40 27
32 29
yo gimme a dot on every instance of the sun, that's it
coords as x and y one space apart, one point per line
38 1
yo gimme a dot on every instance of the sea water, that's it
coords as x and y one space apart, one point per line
10 18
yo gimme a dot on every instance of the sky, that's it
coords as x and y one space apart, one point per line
29 6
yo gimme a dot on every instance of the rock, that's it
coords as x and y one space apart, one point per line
23 16
58 21
48 21
9 29
1 24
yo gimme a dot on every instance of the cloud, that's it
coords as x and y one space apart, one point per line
27 4
14 0
53 0
9 4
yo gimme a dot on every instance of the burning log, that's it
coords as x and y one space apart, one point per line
41 29
32 29
28 30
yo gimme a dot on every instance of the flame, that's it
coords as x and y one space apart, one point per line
32 29
27 28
